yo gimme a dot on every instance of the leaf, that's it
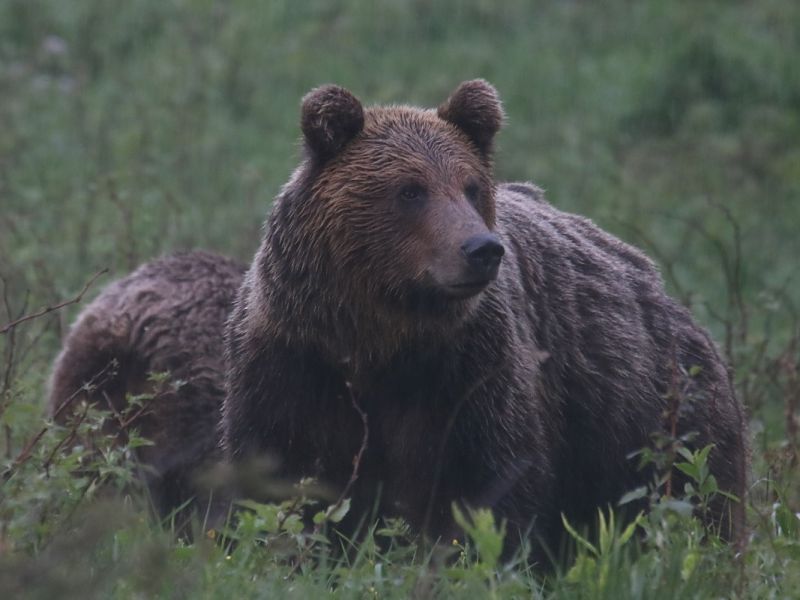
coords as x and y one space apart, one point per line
702 455
689 469
709 486
788 522
251 504
681 507
336 512
689 563
136 442
293 524
790 547
578 537
583 570
318 538
627 533
633 495
481 527
728 495
394 527
158 376
606 531
460 519
269 515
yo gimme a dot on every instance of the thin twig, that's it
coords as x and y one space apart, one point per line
48 309
347 488
27 451
667 264
11 345
10 363
66 440
127 422
129 416
357 458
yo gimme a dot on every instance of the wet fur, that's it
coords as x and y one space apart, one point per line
526 398
168 315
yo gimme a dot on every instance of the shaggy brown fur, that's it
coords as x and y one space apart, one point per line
526 393
168 315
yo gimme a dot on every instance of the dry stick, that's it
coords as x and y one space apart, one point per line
729 271
10 363
14 355
792 400
11 346
127 221
127 422
359 454
66 440
350 482
48 309
27 451
737 270
664 261
112 408
26 350
124 420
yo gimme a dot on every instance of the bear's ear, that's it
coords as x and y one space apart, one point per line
475 108
331 117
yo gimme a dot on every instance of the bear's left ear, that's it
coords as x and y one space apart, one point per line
475 108
331 117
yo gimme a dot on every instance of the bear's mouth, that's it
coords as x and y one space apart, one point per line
466 289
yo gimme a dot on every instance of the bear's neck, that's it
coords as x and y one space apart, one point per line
307 307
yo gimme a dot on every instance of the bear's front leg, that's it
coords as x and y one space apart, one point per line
287 405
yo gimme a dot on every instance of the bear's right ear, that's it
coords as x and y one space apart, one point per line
331 117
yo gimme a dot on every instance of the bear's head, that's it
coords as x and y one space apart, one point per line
393 206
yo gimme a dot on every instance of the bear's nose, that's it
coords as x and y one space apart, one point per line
483 252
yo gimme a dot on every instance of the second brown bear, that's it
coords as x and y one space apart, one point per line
166 318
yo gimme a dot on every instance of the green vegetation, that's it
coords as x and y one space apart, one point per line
129 129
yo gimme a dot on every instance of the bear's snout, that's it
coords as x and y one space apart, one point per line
476 267
484 253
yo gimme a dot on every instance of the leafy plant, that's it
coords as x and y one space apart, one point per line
594 562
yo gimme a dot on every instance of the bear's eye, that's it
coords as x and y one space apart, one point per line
412 194
473 192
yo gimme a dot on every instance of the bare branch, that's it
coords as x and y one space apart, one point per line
667 264
48 309
347 488
67 439
27 451
359 454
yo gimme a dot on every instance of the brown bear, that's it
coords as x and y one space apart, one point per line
505 354
167 316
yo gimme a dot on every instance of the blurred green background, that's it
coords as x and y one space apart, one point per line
129 129
133 128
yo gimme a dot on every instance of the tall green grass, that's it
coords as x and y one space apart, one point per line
132 129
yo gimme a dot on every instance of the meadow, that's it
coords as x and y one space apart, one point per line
129 130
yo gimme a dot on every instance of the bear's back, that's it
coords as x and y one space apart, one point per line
619 352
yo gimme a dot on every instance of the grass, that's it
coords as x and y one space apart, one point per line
132 129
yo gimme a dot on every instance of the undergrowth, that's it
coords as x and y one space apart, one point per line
132 129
